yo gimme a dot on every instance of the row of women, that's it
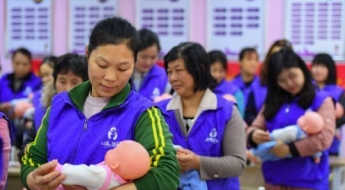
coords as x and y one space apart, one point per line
88 106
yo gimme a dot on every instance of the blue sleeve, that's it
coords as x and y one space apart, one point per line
240 102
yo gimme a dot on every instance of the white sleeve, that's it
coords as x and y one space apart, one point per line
287 134
91 177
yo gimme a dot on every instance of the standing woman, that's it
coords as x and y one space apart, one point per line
219 67
208 128
290 94
105 104
325 76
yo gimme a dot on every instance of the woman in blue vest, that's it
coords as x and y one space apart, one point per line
209 128
149 79
17 85
46 73
249 83
290 94
325 76
77 125
219 67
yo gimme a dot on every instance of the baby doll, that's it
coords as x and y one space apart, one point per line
126 162
308 124
190 180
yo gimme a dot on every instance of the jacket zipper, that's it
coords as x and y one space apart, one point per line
76 149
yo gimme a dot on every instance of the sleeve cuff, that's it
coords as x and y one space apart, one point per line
293 150
250 140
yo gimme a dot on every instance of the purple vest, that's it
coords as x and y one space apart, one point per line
225 87
40 110
299 172
205 137
259 91
154 83
73 139
7 94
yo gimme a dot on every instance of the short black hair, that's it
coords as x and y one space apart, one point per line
247 50
326 60
71 63
49 60
114 30
284 59
148 38
218 56
196 61
23 51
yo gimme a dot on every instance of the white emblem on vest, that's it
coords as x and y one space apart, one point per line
112 134
212 136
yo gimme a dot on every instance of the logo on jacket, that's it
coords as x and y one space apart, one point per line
112 134
110 141
212 136
155 93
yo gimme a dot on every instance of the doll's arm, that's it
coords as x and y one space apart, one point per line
288 134
90 177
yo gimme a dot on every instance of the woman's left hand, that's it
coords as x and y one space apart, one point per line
281 149
73 187
188 160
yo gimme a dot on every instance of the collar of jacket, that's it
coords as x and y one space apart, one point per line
79 94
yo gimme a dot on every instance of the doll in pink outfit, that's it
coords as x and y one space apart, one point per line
126 162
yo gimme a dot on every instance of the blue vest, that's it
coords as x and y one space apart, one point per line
297 171
154 83
73 139
335 92
205 137
31 84
259 91
40 110
225 87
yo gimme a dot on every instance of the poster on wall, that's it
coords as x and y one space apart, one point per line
168 18
316 27
83 16
28 25
235 24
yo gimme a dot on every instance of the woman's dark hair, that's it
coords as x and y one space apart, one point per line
148 38
196 61
23 51
245 51
326 60
276 96
218 56
71 63
277 43
49 60
114 31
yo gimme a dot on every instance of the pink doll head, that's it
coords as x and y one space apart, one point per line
311 122
229 97
129 160
339 110
21 107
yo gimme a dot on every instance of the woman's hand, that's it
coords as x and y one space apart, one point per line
188 160
260 136
281 149
45 177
